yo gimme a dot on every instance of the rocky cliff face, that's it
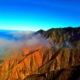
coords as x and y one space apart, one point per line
60 35
59 61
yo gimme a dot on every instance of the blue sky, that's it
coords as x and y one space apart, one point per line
39 14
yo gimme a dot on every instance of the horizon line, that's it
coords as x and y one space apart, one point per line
38 29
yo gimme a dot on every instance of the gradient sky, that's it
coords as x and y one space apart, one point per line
39 14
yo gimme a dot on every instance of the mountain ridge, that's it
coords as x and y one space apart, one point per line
43 63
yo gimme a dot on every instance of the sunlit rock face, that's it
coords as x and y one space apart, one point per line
44 55
25 65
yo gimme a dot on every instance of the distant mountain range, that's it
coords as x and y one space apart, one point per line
46 55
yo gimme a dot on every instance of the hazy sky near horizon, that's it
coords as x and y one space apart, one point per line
39 14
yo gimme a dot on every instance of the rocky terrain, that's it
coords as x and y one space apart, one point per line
57 59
